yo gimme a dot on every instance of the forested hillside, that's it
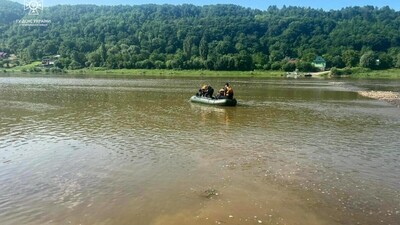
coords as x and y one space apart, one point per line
217 37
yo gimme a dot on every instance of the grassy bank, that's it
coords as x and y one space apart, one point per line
24 67
378 74
178 73
28 69
363 73
355 73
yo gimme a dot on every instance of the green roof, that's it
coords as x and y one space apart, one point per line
319 60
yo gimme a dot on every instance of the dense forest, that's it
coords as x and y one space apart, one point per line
214 37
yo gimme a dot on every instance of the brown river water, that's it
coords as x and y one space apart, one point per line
135 151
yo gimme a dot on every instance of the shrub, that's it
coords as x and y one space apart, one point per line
305 67
276 66
267 66
55 70
346 71
289 67
35 69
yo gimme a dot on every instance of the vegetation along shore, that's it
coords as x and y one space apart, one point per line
201 40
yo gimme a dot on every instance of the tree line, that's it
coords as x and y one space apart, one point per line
214 37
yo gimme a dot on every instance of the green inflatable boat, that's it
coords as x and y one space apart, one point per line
213 101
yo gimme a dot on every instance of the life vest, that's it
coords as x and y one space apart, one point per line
229 90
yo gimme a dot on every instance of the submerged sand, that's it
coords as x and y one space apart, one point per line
388 96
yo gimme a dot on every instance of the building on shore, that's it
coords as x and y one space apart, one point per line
319 63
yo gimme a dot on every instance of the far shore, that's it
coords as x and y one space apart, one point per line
169 73
161 73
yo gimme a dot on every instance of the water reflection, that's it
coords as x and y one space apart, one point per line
219 115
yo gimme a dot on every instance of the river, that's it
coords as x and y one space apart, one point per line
136 151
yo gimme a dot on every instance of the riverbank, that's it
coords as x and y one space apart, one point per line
180 73
378 74
364 73
33 69
147 72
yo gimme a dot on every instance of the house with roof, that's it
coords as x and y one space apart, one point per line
49 61
319 63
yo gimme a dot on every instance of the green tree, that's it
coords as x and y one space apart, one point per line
397 64
203 48
276 56
225 62
103 53
276 66
289 67
309 56
305 66
187 46
191 37
368 60
74 65
351 58
259 60
244 61
384 61
95 59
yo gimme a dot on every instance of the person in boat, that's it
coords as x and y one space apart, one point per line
210 92
228 91
221 94
205 91
202 90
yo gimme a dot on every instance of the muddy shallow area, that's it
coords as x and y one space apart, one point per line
388 96
136 151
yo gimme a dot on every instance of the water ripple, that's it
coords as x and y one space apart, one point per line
96 149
